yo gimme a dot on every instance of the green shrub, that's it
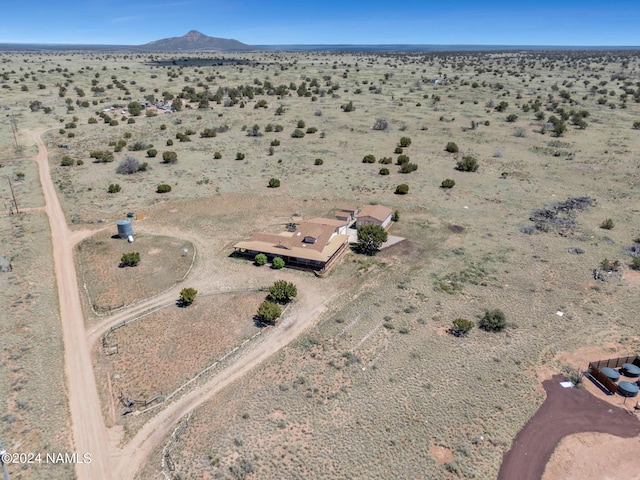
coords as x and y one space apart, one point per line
152 152
402 189
169 157
635 264
274 183
217 155
163 188
187 296
607 224
282 291
92 121
396 216
114 188
277 263
636 125
240 156
269 312
275 143
384 171
169 143
385 160
402 159
369 159
398 150
66 161
408 167
300 124
512 117
312 130
405 141
318 161
461 327
130 259
447 183
467 164
493 321
451 147
297 133
208 133
260 259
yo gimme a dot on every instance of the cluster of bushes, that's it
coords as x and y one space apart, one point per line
101 156
281 292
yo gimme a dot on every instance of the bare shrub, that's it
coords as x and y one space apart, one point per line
128 166
520 132
381 124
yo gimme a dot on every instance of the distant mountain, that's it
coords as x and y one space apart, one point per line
194 41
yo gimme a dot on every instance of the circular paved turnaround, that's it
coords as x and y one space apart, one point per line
564 412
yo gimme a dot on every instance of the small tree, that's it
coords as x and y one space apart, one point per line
467 164
405 142
349 107
163 188
66 161
461 327
169 157
369 159
408 167
447 183
114 188
274 183
493 321
152 152
217 155
260 259
187 296
269 312
451 147
370 237
134 108
402 189
282 291
297 133
512 117
396 216
277 263
384 171
130 259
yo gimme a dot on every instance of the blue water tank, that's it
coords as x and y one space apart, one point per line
627 389
611 374
125 229
630 370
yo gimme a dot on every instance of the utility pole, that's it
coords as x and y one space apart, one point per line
15 203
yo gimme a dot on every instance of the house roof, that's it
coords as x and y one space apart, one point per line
379 212
348 208
292 244
334 222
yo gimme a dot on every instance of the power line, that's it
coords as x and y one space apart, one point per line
15 203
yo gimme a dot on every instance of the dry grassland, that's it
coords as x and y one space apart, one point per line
35 416
379 382
110 286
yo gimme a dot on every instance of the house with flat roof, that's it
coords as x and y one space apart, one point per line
374 215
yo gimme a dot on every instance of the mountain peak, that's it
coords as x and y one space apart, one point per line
195 40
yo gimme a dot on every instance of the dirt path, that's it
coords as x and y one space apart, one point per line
88 427
90 435
135 453
565 411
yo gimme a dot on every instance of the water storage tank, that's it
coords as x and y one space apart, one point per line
628 389
611 374
630 370
124 228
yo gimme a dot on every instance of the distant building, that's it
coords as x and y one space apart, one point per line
374 215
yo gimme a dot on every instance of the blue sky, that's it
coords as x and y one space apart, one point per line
481 22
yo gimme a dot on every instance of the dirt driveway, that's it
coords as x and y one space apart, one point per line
566 411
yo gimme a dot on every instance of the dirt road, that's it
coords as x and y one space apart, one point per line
108 460
88 427
564 412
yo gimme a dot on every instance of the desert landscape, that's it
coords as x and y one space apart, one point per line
522 183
